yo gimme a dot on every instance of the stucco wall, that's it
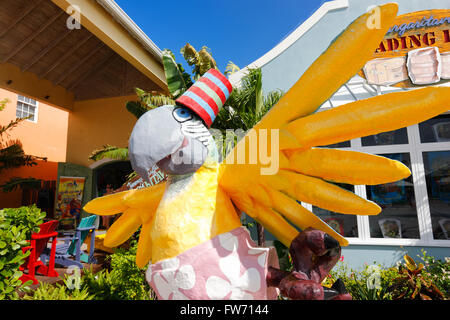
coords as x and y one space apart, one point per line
95 123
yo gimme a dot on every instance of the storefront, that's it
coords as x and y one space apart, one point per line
416 211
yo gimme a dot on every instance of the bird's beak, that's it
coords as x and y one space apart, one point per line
155 136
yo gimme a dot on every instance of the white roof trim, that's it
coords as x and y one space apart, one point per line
122 18
291 38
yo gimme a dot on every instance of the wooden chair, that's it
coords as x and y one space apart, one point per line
38 244
69 253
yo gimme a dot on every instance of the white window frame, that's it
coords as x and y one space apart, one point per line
36 110
415 149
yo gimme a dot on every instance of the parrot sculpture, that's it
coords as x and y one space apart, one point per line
191 236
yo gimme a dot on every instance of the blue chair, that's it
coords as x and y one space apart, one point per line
69 253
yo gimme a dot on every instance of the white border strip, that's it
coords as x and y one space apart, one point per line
291 38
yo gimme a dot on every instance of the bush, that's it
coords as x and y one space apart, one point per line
16 227
369 284
125 281
47 291
407 280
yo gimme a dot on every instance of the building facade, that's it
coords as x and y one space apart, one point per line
416 211
72 65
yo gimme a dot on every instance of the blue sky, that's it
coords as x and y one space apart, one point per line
236 30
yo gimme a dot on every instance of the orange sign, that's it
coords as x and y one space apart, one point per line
414 52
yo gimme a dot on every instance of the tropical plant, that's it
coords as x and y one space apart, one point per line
47 291
125 281
201 61
414 283
16 226
12 155
438 271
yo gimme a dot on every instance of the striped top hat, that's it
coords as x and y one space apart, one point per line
207 95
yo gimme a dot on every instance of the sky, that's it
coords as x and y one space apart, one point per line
240 31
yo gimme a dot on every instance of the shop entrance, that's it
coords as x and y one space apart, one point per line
107 178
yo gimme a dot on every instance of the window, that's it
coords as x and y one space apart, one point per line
436 129
415 210
399 216
27 107
437 175
344 224
386 138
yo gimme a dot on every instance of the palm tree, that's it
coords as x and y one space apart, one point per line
12 156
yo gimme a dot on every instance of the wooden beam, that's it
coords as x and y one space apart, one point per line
79 64
65 56
97 69
20 17
46 49
30 38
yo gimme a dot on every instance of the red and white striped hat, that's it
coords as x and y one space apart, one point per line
207 95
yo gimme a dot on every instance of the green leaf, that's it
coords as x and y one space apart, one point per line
174 77
109 152
136 109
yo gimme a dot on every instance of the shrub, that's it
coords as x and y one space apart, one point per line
125 281
414 282
47 291
16 226
369 284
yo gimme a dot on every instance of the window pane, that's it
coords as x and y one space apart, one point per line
345 144
437 175
344 224
436 129
399 136
399 216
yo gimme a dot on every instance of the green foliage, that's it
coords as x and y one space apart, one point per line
22 183
413 283
125 281
247 104
437 271
109 152
175 75
47 291
284 258
200 61
3 103
369 284
16 226
408 280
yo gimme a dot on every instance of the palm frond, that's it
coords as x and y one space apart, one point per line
136 109
174 76
109 152
3 103
12 124
22 183
231 68
13 156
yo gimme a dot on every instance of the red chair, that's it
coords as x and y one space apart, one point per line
37 245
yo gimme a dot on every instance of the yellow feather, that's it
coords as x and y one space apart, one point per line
370 116
345 56
347 166
327 196
123 228
300 216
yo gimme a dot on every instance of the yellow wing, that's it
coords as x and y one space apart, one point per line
303 169
138 208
